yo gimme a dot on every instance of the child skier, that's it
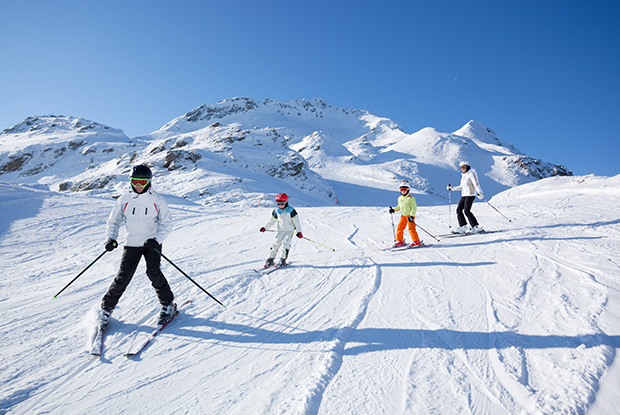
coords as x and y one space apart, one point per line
469 187
407 207
288 224
147 222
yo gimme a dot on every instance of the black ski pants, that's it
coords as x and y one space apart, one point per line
465 207
129 263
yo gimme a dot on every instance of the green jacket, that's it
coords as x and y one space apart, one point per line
406 205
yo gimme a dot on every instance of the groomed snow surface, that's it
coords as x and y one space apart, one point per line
521 321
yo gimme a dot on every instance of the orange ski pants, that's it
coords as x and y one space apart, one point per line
400 229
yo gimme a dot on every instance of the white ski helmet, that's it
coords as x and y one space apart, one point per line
403 184
464 163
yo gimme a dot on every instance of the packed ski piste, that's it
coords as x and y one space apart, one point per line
519 319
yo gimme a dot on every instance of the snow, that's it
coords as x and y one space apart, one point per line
521 321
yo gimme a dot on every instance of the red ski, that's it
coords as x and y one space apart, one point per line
136 351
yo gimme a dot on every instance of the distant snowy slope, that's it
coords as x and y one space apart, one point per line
510 166
50 149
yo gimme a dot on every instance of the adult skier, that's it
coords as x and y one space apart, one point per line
147 223
407 207
469 187
288 225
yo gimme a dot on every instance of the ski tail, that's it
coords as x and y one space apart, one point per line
137 350
96 348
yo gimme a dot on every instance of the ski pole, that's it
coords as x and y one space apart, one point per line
497 210
319 244
393 229
188 277
427 232
449 209
271 230
78 276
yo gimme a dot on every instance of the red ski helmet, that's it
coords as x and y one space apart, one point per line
281 197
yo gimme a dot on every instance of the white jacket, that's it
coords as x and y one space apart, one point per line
146 215
287 218
469 184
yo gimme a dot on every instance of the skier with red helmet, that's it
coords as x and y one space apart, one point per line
288 225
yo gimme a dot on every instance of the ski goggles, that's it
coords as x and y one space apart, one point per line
135 181
280 203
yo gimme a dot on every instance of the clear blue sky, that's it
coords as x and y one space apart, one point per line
542 74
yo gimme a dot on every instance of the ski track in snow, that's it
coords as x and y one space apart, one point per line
516 390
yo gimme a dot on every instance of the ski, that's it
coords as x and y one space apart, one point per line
154 333
456 235
407 247
269 270
97 345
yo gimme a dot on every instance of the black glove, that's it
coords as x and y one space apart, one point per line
410 218
391 209
300 235
111 245
152 244
263 229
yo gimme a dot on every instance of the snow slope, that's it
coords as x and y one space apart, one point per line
521 321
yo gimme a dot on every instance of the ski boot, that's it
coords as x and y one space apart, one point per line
461 230
268 263
166 314
103 318
281 263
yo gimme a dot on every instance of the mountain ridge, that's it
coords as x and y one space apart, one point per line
243 151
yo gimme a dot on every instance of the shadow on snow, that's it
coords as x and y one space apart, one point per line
384 339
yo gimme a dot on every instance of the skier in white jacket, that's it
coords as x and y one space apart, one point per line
148 222
288 225
469 187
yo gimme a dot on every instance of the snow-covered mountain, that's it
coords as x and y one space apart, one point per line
243 151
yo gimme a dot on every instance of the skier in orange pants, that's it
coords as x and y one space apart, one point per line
407 207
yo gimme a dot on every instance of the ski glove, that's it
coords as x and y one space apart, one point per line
263 229
410 218
300 235
111 245
152 244
449 187
480 195
391 209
